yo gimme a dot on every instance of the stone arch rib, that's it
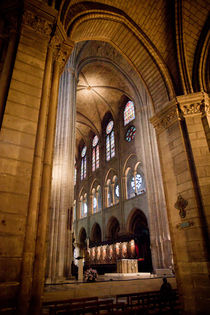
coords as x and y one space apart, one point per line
102 23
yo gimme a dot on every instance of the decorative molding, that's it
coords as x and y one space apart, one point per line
191 109
180 108
166 117
37 23
194 104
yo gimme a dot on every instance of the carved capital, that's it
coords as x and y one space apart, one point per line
194 104
165 117
37 23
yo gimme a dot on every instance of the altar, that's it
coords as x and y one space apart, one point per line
127 266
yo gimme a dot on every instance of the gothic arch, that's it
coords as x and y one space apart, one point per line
128 161
201 73
134 214
82 238
113 228
138 227
96 235
87 22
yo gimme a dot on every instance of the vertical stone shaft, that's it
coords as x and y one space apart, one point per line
29 247
63 183
6 72
39 264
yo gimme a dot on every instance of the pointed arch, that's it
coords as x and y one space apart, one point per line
113 228
89 22
96 235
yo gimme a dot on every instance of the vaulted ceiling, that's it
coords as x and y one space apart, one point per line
100 89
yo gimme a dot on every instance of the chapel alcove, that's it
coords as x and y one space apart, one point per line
138 227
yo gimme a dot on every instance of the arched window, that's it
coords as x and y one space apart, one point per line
99 198
84 206
130 185
139 184
116 190
109 194
83 163
110 144
95 153
129 112
94 200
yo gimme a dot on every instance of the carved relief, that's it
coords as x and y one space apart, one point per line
165 118
194 104
37 23
191 109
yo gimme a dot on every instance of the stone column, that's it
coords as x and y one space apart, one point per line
35 189
41 78
39 264
157 214
62 196
185 160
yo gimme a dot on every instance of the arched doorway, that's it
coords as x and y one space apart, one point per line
138 227
96 234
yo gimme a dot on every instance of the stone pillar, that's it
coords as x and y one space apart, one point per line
157 215
35 188
20 144
185 160
39 265
63 178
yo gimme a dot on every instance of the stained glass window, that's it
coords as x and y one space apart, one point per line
94 205
130 185
95 153
95 141
130 134
129 112
109 127
83 163
135 185
97 156
110 143
117 191
99 198
84 151
84 207
93 160
107 148
109 195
